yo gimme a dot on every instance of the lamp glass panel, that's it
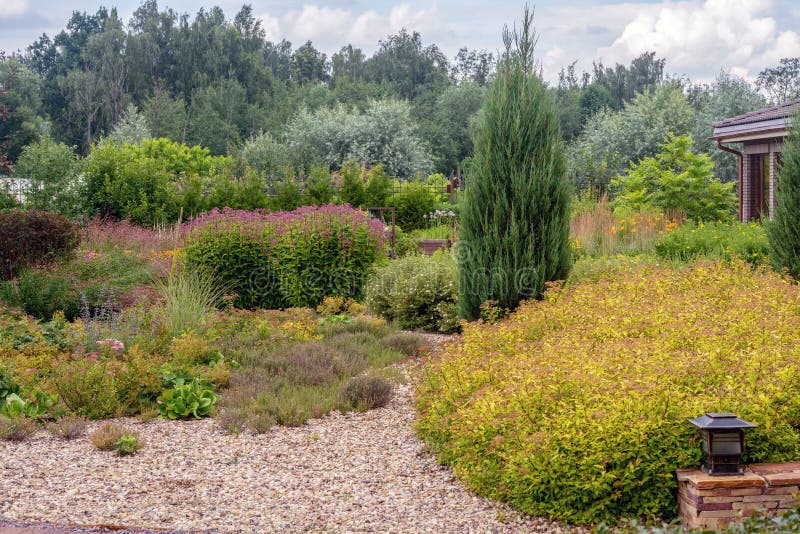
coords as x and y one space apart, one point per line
724 443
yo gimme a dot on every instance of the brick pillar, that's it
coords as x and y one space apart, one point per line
746 188
714 501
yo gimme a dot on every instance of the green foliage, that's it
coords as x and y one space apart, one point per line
128 444
87 388
384 133
676 181
186 399
7 202
114 437
727 96
88 280
237 257
187 299
38 404
147 184
292 258
30 238
132 127
747 241
784 229
575 407
514 224
290 381
266 155
412 203
636 131
20 99
122 184
364 188
417 292
53 170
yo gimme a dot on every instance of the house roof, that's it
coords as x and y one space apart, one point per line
759 123
775 112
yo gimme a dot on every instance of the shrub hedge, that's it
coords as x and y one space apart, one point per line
576 406
287 258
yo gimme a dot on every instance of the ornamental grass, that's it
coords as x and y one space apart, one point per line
576 406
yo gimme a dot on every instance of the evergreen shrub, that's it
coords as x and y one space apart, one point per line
514 222
784 229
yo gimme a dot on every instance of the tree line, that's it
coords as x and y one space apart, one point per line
210 81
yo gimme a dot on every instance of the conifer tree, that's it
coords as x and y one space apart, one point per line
514 226
784 229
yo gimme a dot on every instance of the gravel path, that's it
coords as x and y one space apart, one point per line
344 472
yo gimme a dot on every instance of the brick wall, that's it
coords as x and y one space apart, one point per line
712 501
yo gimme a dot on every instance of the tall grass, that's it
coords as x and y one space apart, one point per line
189 297
597 230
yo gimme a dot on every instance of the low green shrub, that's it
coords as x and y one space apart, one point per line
114 437
715 241
29 238
87 388
418 292
576 407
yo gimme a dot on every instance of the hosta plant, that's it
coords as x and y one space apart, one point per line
186 399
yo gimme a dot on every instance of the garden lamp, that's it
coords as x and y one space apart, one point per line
722 436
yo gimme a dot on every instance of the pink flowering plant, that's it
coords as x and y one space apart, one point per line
114 345
287 258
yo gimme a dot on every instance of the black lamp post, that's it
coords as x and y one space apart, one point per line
722 437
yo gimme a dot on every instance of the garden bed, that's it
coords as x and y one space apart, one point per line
356 472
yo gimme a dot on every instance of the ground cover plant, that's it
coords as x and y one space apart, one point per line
575 407
295 367
715 240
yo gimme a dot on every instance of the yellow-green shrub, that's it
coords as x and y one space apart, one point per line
575 407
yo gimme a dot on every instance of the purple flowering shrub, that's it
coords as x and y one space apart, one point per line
286 258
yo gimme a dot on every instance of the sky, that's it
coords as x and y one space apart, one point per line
698 38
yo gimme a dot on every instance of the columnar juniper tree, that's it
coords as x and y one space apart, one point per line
515 221
784 229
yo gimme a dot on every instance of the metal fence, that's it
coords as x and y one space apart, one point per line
14 186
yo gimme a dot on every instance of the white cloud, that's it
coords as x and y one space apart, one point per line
317 23
738 34
14 8
330 28
272 28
